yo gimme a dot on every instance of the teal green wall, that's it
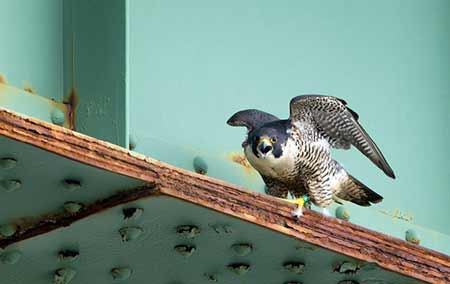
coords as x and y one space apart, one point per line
194 63
31 45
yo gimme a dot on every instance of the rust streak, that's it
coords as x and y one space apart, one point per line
28 88
3 79
240 159
29 228
72 104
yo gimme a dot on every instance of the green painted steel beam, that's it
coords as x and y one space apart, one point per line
168 74
159 239
193 64
34 105
95 66
31 46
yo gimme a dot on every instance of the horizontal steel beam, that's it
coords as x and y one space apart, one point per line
330 233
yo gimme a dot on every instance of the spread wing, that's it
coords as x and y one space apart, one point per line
338 124
251 118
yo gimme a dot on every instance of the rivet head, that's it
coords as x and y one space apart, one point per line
132 213
73 207
11 185
8 230
64 275
185 250
239 268
347 267
412 236
71 184
212 277
121 273
10 257
68 255
295 267
188 231
58 117
8 163
130 233
200 166
242 249
342 213
348 282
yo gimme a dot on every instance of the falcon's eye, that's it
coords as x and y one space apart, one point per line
273 139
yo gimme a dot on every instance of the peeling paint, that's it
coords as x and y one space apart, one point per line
347 267
29 89
240 159
3 79
239 268
398 214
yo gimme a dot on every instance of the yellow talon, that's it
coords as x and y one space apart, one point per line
300 202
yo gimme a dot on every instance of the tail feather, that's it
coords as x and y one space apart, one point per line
355 191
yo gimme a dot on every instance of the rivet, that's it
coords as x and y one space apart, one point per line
130 233
68 255
347 267
73 207
292 282
200 165
239 268
348 282
8 163
132 213
132 143
342 213
188 231
185 250
412 236
121 273
71 184
8 230
10 257
58 117
242 249
295 267
64 275
11 184
212 277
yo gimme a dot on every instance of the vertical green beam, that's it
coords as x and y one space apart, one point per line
95 82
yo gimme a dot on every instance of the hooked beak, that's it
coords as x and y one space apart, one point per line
264 146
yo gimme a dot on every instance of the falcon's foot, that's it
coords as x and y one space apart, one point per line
300 203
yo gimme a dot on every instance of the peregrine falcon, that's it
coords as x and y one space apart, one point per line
293 155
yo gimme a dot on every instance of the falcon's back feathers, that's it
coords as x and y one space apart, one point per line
338 124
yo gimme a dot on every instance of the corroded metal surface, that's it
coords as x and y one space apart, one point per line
328 233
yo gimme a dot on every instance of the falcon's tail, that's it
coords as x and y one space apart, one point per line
355 191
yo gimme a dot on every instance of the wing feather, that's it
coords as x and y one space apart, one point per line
338 124
251 118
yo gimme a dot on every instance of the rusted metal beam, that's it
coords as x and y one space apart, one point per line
48 223
330 233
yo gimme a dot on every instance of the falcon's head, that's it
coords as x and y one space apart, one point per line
266 133
268 140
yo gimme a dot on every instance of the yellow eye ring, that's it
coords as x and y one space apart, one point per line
273 139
